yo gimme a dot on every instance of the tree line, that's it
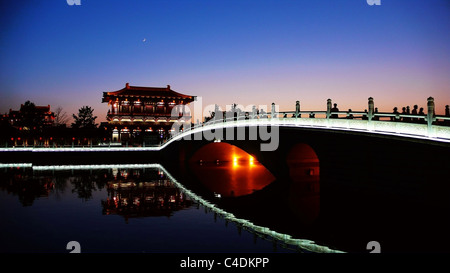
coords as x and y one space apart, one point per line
30 117
36 125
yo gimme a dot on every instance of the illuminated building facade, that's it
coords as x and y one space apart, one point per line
136 193
143 113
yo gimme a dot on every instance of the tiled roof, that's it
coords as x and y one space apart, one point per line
129 91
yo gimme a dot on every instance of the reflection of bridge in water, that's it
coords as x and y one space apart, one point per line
164 195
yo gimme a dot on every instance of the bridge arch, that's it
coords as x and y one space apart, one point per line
220 152
304 166
228 170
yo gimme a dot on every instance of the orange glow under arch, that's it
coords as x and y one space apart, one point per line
227 170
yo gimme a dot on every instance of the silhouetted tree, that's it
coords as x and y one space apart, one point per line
61 117
85 118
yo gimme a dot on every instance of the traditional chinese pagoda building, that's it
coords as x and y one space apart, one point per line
142 113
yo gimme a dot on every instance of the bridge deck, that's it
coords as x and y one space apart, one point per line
399 129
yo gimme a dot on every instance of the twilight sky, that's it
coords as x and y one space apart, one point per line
230 51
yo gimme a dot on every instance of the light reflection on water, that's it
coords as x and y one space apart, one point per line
232 179
116 210
228 170
231 172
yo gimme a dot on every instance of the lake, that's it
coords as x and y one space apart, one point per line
206 207
120 209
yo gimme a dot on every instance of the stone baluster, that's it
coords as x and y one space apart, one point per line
371 109
273 114
430 114
328 108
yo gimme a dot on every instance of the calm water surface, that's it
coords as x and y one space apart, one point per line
233 205
112 210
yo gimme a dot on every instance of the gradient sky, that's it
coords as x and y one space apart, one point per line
230 51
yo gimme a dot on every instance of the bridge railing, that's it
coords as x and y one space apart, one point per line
429 120
363 115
